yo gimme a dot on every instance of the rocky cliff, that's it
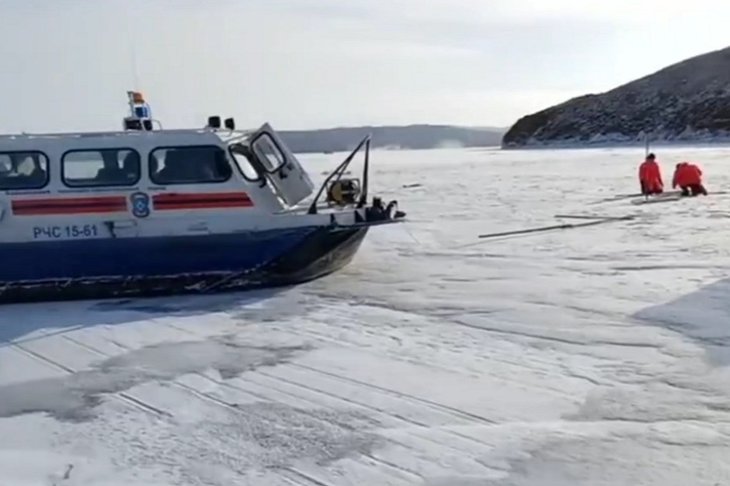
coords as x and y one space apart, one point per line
688 101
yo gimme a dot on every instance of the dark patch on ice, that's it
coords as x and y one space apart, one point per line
276 313
592 258
702 316
319 434
27 322
568 462
145 308
645 404
639 268
187 304
73 397
457 481
255 437
621 457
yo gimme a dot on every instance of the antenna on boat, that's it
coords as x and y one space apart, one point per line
140 114
135 74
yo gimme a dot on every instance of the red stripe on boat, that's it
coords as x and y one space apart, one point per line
204 200
69 205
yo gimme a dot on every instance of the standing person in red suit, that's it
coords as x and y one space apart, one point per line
650 176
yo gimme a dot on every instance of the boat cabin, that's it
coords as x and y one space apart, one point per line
179 161
144 211
148 181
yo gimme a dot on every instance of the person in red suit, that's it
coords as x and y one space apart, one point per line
689 179
650 176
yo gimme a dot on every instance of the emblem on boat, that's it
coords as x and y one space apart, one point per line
140 204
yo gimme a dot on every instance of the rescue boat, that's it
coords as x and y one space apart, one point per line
150 211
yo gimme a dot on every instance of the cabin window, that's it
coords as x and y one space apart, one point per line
23 170
101 167
241 154
189 165
268 153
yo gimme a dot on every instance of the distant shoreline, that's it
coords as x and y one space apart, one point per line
386 149
409 137
536 148
621 145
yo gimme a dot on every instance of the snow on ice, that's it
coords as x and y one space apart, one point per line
588 356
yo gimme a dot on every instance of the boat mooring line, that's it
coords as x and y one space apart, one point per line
405 228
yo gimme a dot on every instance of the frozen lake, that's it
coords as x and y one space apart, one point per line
593 355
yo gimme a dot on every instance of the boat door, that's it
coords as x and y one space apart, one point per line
283 170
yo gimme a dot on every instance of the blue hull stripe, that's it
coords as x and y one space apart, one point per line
129 257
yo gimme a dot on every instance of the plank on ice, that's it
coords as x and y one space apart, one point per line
658 199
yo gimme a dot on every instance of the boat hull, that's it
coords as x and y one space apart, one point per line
145 267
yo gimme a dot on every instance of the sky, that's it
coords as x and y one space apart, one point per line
303 64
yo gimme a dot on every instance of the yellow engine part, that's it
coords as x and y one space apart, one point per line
343 192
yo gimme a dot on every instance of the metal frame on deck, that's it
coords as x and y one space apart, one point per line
340 170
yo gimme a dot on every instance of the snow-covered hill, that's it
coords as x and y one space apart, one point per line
686 102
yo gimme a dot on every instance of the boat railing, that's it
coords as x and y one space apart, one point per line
337 174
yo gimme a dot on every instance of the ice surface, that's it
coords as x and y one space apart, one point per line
593 356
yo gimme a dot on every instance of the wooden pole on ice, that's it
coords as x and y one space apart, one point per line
593 217
555 227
